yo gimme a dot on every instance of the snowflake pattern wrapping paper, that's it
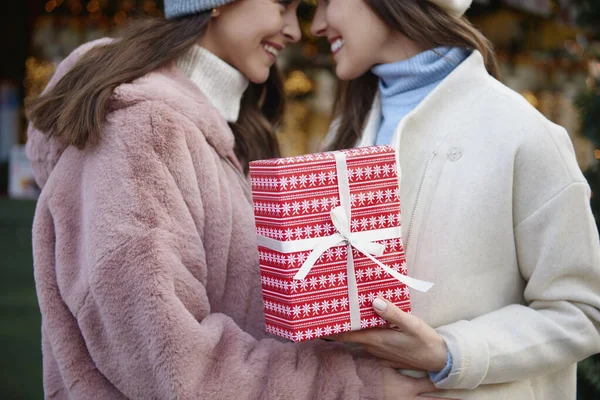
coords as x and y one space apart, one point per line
310 212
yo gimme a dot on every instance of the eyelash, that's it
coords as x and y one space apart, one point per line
286 3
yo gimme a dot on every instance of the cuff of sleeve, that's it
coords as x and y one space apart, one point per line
470 356
443 374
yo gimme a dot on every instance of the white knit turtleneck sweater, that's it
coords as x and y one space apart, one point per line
222 84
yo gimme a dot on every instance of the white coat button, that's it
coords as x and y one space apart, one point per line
454 154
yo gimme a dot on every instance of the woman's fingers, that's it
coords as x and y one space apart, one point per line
424 385
436 398
423 397
360 337
396 364
400 320
390 312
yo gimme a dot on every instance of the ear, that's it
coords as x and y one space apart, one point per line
215 13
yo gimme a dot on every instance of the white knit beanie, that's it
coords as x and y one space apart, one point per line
455 7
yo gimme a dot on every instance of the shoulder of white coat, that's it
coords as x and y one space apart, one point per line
542 158
536 139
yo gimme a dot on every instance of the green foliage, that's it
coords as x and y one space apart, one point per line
589 14
593 177
588 374
589 106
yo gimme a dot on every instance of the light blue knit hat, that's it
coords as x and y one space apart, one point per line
180 8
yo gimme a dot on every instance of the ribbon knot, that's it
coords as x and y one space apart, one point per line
342 225
343 235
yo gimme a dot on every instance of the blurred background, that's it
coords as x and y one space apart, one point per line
549 52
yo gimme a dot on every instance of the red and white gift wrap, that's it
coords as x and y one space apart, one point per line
329 236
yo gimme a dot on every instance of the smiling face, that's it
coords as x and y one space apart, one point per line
249 34
359 38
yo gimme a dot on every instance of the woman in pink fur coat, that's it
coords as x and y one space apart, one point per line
146 263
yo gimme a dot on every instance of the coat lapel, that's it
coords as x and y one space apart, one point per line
444 109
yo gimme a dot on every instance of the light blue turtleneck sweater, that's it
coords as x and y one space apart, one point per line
404 84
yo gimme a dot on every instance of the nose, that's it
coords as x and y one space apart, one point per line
319 23
291 29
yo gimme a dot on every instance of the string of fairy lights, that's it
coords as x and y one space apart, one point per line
118 11
110 14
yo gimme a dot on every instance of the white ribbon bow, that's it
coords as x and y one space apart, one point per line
360 243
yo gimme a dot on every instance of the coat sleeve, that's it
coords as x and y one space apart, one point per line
147 320
558 254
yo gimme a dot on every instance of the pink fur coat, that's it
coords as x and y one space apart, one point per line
147 269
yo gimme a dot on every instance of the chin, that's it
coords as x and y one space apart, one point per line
258 75
347 71
259 79
347 74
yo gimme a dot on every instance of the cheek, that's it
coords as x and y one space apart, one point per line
242 45
251 28
367 43
335 19
265 24
357 58
358 46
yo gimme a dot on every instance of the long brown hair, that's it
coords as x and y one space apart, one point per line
83 95
427 25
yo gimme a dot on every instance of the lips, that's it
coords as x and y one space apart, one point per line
272 48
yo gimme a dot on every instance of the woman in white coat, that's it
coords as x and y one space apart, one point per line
495 209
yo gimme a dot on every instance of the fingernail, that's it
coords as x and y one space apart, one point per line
379 304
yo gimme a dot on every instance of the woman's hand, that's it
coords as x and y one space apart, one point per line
399 387
409 344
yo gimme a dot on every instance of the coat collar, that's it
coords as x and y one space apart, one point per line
171 87
445 109
222 84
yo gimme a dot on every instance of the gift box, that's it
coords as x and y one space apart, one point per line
329 241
